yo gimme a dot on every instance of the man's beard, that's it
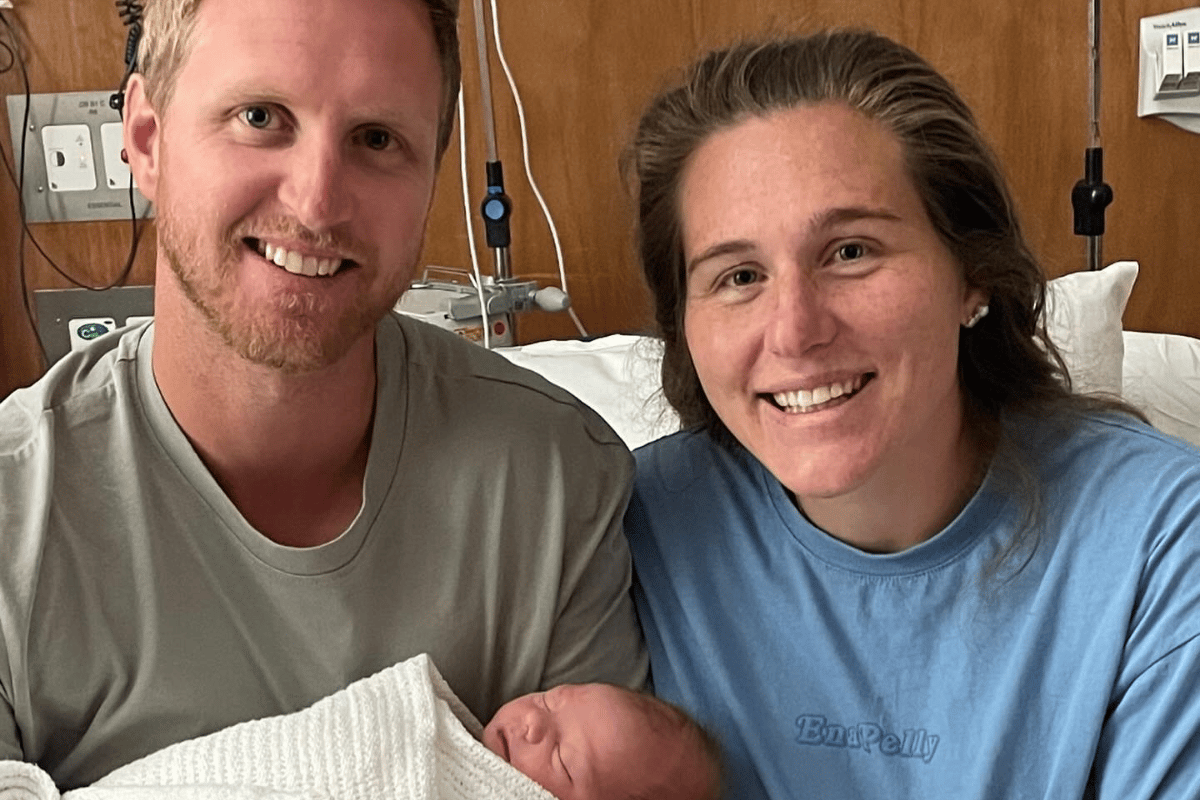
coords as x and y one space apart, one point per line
291 332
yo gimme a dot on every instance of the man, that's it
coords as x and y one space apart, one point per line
279 487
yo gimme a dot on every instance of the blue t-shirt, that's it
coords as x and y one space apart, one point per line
1066 670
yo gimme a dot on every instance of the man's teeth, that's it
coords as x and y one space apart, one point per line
299 264
805 400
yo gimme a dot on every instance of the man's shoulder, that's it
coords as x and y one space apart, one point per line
80 386
446 355
457 371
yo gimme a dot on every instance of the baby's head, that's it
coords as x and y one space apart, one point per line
599 742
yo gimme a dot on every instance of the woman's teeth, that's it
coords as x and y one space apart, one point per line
803 401
296 263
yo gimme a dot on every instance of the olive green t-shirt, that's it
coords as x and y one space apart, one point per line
139 608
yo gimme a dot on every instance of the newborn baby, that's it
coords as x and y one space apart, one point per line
599 742
402 734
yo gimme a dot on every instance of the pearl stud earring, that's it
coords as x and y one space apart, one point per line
979 314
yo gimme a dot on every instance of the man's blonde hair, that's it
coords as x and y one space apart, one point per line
169 25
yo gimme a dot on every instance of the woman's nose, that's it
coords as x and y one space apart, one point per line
797 318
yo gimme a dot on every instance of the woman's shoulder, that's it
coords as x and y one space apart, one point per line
1093 439
690 460
666 448
1112 465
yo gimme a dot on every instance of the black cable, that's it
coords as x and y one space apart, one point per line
12 62
19 183
130 12
124 8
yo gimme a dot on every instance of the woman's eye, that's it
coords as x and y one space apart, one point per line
257 116
851 252
742 277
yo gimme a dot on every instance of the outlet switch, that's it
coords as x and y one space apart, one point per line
70 166
1191 62
1172 61
116 171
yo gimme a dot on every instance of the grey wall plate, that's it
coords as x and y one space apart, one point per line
90 138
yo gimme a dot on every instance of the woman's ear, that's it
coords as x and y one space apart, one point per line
975 308
141 137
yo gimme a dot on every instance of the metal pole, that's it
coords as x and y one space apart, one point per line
1092 195
1096 241
1094 74
496 207
485 80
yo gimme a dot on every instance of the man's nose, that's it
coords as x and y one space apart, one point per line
317 186
797 316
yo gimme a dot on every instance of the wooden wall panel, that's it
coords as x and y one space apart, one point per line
586 67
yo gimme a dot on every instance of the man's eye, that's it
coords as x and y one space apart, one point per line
257 116
377 139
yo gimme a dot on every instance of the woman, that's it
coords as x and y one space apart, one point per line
891 554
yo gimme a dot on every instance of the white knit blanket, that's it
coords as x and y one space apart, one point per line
398 734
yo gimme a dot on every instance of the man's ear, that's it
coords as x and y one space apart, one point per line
142 129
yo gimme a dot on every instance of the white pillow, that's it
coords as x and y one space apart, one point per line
1083 319
618 375
1162 378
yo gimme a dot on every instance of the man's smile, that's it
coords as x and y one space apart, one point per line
297 263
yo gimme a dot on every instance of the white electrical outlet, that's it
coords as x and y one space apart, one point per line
70 165
116 171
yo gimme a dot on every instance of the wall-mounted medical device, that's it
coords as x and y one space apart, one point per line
450 299
1169 76
478 307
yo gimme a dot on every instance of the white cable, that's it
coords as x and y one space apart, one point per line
562 272
575 318
466 192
